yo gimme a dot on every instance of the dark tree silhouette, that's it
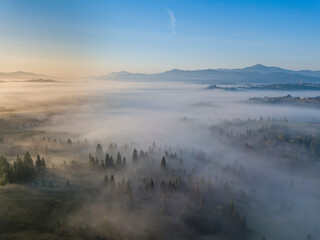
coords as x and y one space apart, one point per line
106 180
135 157
163 163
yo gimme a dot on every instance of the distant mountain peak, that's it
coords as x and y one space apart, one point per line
259 66
115 74
19 75
263 69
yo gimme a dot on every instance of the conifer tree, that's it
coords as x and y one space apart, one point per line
118 160
28 163
99 151
107 160
112 181
163 163
106 180
135 157
111 161
43 163
38 162
124 162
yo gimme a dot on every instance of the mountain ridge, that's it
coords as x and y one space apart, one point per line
249 75
19 75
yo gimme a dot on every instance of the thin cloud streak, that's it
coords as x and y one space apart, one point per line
172 20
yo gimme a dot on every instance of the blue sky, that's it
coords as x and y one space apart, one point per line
78 38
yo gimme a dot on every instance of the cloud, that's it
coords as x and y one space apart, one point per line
172 20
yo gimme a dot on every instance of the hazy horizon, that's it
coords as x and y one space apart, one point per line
39 75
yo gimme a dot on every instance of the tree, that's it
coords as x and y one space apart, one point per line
38 162
107 160
99 151
112 181
151 183
43 163
19 171
163 163
28 162
106 180
5 171
135 157
124 162
111 161
27 159
119 160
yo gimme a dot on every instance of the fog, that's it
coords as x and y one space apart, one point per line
186 119
122 109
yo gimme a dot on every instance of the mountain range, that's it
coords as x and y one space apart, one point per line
257 74
19 75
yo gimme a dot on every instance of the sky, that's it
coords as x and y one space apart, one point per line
77 38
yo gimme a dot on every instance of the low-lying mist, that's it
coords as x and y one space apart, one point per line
218 134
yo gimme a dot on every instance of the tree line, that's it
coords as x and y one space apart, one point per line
21 170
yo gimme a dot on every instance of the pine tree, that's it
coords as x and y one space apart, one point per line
106 180
20 172
43 163
5 171
28 162
135 157
27 159
38 162
119 160
99 151
107 160
112 181
111 161
124 162
163 163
